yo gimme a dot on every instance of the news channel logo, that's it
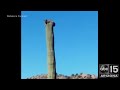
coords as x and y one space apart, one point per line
108 71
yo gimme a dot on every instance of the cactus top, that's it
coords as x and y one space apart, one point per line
49 21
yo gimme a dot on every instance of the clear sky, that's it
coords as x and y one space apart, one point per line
76 42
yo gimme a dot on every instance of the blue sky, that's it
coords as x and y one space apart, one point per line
76 42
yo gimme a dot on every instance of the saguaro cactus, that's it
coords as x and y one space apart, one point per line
50 49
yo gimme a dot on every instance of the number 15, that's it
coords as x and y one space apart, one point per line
114 69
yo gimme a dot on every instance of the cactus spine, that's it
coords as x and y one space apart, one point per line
50 49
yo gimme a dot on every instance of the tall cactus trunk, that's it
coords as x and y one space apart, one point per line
50 49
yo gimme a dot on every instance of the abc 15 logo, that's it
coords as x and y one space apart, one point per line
108 69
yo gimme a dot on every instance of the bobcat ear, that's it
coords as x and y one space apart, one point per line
45 21
53 23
